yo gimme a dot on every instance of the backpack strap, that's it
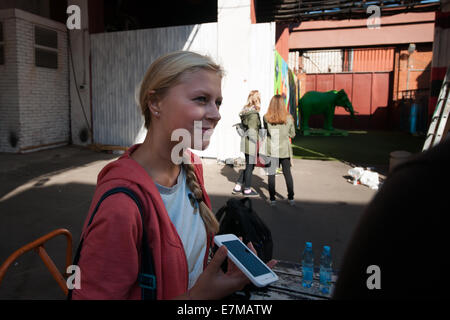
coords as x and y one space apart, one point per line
146 276
247 200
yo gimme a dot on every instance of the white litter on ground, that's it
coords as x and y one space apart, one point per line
366 177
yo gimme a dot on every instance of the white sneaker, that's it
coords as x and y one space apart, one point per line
250 193
291 203
273 203
237 189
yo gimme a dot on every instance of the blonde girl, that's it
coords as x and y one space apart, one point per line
178 90
250 120
280 128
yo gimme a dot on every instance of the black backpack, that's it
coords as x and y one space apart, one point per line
237 217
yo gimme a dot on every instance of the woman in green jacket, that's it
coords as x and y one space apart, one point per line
280 128
252 123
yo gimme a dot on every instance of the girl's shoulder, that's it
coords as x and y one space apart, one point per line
246 110
289 120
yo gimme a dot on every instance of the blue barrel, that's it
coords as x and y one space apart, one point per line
413 112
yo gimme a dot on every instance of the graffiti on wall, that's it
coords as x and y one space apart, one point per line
286 84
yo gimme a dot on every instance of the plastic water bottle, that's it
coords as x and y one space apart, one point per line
325 270
307 266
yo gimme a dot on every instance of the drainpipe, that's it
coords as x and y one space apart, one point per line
411 49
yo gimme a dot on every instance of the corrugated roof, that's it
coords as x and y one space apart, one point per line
306 10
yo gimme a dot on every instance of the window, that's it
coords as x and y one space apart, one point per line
45 48
2 54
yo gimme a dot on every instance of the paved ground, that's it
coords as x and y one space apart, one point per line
46 190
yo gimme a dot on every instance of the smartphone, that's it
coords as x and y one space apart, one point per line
248 262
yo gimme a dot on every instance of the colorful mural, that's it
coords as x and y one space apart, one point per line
286 84
281 77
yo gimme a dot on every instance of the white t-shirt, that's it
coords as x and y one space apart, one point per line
189 225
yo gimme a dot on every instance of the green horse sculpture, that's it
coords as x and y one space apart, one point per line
314 102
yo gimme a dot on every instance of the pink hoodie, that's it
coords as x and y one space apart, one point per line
110 257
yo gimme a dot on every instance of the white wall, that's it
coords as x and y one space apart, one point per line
246 52
119 60
79 99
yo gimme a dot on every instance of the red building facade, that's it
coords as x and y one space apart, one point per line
378 67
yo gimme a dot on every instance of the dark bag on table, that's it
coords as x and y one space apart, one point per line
238 217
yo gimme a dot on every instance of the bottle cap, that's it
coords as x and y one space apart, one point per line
308 244
326 249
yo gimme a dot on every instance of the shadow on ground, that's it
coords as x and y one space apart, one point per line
30 215
18 169
41 209
257 183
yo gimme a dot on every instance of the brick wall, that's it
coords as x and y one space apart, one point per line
37 109
416 75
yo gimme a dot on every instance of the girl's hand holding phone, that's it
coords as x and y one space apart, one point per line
213 283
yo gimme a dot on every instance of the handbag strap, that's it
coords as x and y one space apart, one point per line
146 276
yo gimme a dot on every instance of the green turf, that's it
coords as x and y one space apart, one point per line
368 147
